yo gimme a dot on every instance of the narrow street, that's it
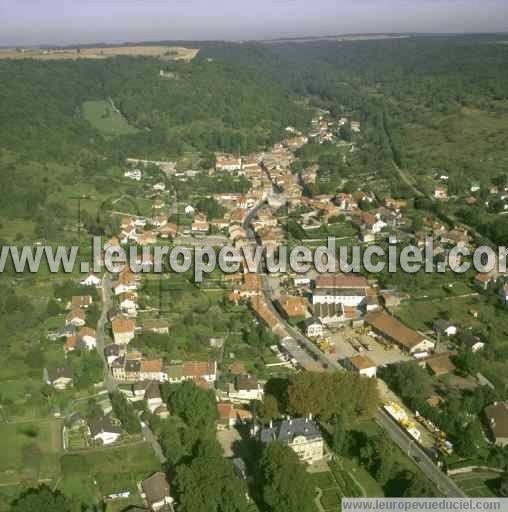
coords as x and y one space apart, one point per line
109 382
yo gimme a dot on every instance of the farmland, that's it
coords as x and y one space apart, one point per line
164 52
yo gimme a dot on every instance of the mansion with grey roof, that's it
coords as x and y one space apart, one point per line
302 435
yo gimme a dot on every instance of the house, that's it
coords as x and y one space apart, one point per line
71 344
302 435
371 222
301 280
483 280
123 330
440 193
440 365
81 301
497 418
293 307
226 416
157 492
192 370
153 396
444 328
91 280
396 332
76 318
102 430
200 225
111 353
474 186
151 369
189 210
169 230
227 163
313 327
60 378
134 174
128 303
361 365
156 326
471 342
246 389
87 338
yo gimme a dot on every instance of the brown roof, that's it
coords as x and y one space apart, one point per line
497 415
440 365
341 281
293 306
121 325
237 368
79 301
71 343
198 368
151 366
392 328
226 411
76 313
156 488
86 331
247 382
362 362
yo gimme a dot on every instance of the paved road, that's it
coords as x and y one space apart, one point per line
446 485
110 383
107 302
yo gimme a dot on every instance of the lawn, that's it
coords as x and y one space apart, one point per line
107 471
104 118
481 484
29 450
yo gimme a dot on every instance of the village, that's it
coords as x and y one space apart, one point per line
320 323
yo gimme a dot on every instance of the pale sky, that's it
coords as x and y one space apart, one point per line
29 22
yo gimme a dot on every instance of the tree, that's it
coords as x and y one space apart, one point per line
286 486
326 394
339 435
268 409
208 483
196 406
42 499
377 455
468 363
470 440
411 382
419 487
125 413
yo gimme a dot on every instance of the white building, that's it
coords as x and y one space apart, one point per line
91 280
313 327
350 297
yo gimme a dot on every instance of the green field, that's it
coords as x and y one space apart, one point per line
104 118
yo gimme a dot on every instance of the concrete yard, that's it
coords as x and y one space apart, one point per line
341 339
